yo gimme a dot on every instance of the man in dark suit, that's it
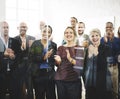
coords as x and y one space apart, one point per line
9 59
25 41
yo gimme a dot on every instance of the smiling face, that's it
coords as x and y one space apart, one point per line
95 38
23 28
69 34
81 28
109 29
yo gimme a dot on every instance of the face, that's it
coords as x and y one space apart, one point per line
4 29
42 24
81 28
73 22
95 38
69 35
23 28
46 33
109 29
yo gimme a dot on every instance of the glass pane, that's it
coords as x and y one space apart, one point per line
23 4
10 13
22 14
34 4
11 3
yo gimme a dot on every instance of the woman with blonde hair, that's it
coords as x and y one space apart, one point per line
98 81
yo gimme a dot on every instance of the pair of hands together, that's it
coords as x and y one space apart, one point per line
58 58
92 50
9 53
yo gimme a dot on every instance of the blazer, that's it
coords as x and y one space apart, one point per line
36 55
28 37
13 63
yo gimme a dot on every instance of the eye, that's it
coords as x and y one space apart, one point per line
97 35
44 31
66 32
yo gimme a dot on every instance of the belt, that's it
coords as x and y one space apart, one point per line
25 58
46 69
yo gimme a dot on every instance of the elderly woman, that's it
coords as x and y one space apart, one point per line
97 62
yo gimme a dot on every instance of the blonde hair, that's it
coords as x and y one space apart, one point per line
95 30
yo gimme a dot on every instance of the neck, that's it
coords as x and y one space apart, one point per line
70 44
22 35
44 41
5 37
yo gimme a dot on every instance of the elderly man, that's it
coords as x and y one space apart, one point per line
9 59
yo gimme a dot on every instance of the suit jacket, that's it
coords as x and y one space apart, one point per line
28 37
36 56
13 63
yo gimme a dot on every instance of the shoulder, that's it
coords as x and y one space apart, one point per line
104 47
17 37
31 37
61 47
36 42
53 43
14 39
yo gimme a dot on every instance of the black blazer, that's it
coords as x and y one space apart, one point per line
36 55
28 37
15 46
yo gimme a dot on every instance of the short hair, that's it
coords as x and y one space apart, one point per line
81 23
110 23
75 19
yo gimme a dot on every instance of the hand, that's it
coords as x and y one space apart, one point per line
85 43
48 54
92 50
23 46
9 53
68 54
12 56
105 38
57 59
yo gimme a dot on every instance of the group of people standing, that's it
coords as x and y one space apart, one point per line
27 64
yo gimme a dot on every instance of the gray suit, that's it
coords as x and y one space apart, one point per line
1 46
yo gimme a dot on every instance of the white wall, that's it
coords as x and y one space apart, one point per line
2 10
57 13
95 13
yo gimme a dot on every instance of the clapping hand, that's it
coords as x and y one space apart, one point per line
92 50
48 54
57 59
9 53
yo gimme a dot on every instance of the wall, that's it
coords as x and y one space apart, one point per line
57 13
95 13
2 10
